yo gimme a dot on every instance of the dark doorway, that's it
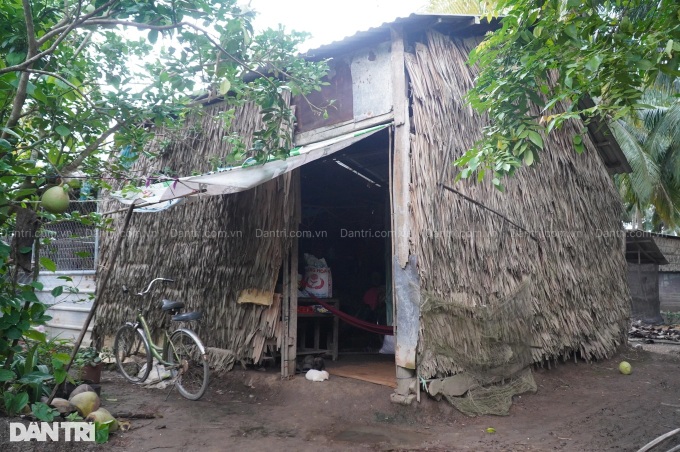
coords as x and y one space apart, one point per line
346 221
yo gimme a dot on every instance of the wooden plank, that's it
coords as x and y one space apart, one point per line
402 164
292 332
324 133
381 373
405 306
285 318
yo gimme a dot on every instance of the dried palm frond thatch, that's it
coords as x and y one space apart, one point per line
472 262
214 248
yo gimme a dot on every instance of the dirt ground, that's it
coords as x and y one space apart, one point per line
578 407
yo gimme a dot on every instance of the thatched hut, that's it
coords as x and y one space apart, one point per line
669 274
478 296
644 258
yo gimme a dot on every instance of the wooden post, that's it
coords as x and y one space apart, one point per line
402 162
405 283
288 368
102 287
285 315
292 353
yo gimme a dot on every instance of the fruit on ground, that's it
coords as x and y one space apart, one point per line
79 389
625 368
86 402
103 416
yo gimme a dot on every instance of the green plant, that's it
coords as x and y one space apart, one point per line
44 412
101 432
35 366
87 357
14 402
670 318
547 56
72 97
106 355
75 416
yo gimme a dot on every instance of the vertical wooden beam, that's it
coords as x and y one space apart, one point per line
285 316
292 332
405 283
402 162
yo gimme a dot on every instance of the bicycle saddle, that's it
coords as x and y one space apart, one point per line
169 305
187 316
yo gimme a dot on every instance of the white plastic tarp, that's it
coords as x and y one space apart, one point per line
165 194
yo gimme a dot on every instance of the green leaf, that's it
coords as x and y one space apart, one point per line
644 65
60 357
578 144
14 403
594 63
101 432
5 144
44 412
13 333
6 375
35 335
153 36
225 86
14 58
48 264
75 416
37 285
35 377
528 158
62 130
536 138
571 31
57 291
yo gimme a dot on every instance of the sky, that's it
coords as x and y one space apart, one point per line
329 21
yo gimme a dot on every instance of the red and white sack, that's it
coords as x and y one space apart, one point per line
319 281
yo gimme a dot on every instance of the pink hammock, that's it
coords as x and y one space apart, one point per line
387 330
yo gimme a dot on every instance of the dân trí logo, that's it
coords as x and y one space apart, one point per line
40 431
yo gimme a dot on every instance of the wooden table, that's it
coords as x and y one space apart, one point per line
318 318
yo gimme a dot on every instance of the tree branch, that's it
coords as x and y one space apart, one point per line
204 32
66 82
91 148
21 95
63 25
30 28
32 59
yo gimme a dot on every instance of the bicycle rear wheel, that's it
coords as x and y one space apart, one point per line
189 364
132 353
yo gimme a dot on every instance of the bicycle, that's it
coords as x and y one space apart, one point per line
182 352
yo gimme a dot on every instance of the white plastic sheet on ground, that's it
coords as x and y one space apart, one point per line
165 194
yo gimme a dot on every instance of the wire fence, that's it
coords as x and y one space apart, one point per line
73 245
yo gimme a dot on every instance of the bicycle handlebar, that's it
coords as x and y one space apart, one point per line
148 288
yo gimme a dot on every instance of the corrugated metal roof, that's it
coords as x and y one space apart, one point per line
448 22
641 248
607 146
609 149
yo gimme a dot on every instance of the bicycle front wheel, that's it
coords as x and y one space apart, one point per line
189 364
132 353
